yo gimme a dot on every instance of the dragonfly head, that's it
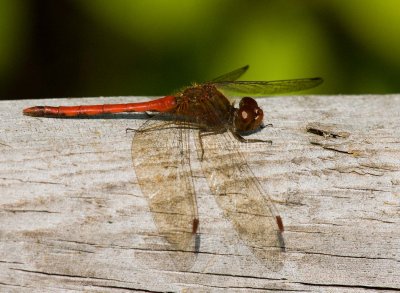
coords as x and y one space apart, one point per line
249 116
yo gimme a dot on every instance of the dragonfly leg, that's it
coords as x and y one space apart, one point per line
206 133
248 140
201 145
166 125
149 115
130 129
262 126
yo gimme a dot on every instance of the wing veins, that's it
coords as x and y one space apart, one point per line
255 88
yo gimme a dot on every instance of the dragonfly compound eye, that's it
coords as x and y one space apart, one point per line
247 101
249 116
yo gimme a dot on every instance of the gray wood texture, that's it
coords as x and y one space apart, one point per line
73 218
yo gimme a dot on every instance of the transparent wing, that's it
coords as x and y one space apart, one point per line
241 197
262 88
230 76
161 159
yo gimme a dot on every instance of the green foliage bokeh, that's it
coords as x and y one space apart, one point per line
126 47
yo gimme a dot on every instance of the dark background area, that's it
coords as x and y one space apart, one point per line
125 47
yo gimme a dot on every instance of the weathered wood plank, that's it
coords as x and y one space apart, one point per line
73 217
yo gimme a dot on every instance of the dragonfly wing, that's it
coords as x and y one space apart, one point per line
161 159
230 76
241 197
262 88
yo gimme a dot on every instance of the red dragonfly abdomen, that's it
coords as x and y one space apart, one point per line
165 104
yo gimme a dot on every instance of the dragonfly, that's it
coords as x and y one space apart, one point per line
161 154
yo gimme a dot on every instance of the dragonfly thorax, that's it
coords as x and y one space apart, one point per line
205 106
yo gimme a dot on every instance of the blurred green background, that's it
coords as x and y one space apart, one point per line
71 48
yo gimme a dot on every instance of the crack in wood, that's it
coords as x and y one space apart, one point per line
326 130
380 288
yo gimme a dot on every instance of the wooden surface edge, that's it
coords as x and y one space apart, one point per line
73 217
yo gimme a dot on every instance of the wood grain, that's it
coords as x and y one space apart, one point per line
73 218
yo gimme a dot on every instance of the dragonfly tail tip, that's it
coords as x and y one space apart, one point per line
36 111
